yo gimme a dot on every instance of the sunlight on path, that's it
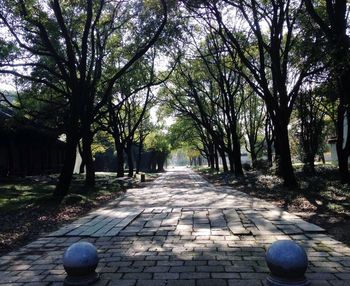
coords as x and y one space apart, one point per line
181 230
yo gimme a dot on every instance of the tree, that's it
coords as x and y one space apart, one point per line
183 135
267 55
224 71
254 118
157 143
69 42
310 127
331 18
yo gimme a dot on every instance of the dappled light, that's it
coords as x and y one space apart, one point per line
181 242
181 138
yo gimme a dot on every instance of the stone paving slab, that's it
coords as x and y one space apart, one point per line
180 230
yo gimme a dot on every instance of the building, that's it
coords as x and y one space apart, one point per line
27 149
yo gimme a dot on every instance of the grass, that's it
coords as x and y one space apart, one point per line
28 192
28 209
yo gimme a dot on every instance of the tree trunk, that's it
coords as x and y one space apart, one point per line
224 162
309 163
269 152
139 155
237 155
217 167
231 161
82 167
88 159
343 155
269 140
161 158
66 175
283 156
254 156
82 164
120 157
130 159
211 157
343 167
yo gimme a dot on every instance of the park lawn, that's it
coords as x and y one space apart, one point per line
27 208
320 198
37 191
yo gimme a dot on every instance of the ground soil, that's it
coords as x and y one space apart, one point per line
27 221
320 199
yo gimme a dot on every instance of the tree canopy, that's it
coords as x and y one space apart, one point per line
238 76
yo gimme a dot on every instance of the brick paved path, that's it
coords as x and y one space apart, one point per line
180 230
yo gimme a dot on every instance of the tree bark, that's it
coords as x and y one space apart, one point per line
161 158
269 139
342 151
309 163
88 159
217 167
82 164
237 154
120 157
223 158
253 155
211 161
66 175
343 114
139 155
130 159
283 155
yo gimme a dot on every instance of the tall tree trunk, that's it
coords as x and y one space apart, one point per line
120 157
139 155
237 153
269 152
342 151
231 161
82 167
66 174
283 155
309 163
88 159
211 156
343 115
223 158
254 156
217 167
130 159
82 164
269 139
161 158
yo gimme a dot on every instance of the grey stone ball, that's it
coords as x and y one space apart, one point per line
286 259
80 259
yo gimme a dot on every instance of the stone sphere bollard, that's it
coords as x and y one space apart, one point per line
80 261
287 262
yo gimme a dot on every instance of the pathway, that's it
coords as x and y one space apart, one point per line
180 230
